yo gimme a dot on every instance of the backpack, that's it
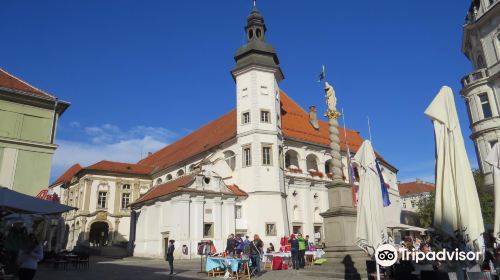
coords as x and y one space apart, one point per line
246 248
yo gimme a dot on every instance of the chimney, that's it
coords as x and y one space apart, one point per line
313 117
149 153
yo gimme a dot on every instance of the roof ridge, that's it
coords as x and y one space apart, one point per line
26 83
186 136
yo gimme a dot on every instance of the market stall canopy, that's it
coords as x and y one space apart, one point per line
457 202
370 229
14 202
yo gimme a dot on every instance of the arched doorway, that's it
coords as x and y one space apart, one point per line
98 235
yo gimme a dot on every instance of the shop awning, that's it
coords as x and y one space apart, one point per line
14 202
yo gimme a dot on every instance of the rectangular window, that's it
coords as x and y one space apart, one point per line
264 116
126 187
404 205
101 200
296 229
266 155
247 156
237 212
485 105
270 229
245 118
413 204
208 230
125 200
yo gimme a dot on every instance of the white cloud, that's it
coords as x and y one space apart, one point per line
109 142
74 124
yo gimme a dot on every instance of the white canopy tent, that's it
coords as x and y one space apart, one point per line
370 229
493 159
457 203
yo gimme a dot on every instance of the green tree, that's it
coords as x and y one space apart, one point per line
486 199
426 210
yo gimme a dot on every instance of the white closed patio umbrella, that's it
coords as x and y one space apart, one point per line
370 225
457 202
493 159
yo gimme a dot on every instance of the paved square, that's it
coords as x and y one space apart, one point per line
148 269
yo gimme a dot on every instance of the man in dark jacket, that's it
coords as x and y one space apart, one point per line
169 257
230 245
294 245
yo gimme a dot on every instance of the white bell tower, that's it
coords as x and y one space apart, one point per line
260 139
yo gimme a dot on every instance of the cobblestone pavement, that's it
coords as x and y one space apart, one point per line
148 269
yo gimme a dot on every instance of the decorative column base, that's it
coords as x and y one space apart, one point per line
343 256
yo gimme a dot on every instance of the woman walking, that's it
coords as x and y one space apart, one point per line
170 255
29 258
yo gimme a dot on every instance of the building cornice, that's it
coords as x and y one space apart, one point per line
34 144
32 99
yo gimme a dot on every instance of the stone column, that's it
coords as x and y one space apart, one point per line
84 229
116 232
229 219
218 219
340 219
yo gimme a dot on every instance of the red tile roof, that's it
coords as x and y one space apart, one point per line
236 190
121 167
10 81
207 137
296 126
295 122
416 187
179 185
68 175
166 188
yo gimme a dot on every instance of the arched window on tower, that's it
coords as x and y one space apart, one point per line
480 62
169 177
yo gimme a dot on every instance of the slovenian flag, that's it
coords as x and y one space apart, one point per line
384 186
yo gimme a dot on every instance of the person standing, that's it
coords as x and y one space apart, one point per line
28 259
170 255
294 245
302 250
230 245
256 247
240 245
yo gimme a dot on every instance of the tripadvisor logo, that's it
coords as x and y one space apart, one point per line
387 255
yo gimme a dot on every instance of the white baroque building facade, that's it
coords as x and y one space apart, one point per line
481 88
101 193
260 169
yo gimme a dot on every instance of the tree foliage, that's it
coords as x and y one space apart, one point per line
426 210
486 200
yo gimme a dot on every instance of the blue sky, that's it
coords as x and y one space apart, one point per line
141 74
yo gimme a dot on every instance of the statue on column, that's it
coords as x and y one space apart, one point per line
331 102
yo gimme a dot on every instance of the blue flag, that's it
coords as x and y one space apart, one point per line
383 185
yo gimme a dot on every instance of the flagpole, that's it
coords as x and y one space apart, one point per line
369 129
347 145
